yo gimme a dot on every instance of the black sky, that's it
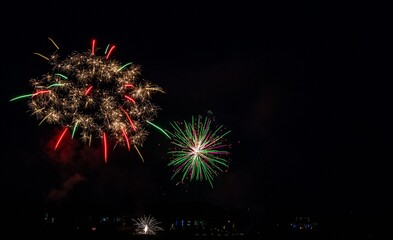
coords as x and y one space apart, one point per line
299 85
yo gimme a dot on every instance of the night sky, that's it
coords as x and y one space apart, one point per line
298 84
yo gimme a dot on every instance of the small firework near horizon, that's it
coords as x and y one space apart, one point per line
199 150
94 97
147 225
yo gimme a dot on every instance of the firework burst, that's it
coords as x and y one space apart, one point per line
94 97
147 225
199 150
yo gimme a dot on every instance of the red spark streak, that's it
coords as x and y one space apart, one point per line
60 138
129 99
105 148
93 45
88 90
129 118
110 51
41 92
127 141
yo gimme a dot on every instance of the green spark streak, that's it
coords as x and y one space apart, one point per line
56 85
157 127
107 47
61 75
21 96
74 129
125 65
